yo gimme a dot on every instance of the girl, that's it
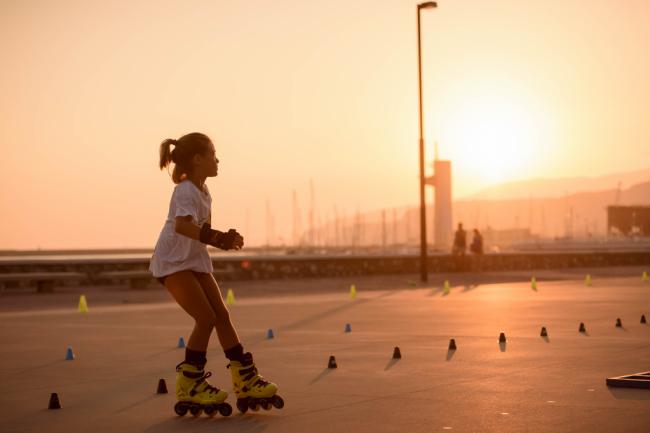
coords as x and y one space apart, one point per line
182 264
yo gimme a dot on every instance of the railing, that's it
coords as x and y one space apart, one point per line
105 271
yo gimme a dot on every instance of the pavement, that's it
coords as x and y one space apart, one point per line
128 341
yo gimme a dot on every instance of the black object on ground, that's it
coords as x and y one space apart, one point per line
638 380
54 401
162 387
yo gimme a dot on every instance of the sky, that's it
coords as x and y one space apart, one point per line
291 91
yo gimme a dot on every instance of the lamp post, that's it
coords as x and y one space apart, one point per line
423 212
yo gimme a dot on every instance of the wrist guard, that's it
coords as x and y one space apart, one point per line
216 238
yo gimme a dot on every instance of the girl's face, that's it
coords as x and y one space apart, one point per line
207 164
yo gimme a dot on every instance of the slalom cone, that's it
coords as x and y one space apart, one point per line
181 343
582 328
396 353
643 318
83 305
230 297
332 362
452 344
54 401
502 338
269 334
445 288
619 324
353 291
543 333
644 276
162 387
69 356
533 284
348 328
588 280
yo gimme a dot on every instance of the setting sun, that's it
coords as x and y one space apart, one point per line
494 133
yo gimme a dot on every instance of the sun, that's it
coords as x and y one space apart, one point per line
492 136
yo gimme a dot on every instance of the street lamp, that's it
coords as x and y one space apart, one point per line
423 212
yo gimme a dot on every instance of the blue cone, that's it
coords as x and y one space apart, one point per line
348 328
69 356
181 343
269 334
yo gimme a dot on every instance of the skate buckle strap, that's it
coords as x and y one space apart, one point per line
251 373
207 387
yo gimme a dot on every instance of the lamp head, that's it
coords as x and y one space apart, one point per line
427 5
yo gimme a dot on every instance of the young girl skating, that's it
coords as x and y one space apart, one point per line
182 264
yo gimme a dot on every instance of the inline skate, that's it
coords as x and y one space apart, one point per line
195 394
251 389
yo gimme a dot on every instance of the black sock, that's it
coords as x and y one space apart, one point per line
195 357
235 353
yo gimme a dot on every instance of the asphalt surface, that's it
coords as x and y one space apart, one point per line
127 342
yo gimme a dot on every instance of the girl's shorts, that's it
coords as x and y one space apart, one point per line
162 279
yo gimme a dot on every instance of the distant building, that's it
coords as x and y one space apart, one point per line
628 220
496 240
442 222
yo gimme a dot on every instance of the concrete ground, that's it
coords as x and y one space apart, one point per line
127 342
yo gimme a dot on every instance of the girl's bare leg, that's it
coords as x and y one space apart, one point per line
225 329
188 292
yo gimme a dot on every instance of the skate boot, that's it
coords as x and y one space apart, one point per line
251 389
195 394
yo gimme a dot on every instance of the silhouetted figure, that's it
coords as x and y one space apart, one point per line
460 242
458 250
477 243
477 250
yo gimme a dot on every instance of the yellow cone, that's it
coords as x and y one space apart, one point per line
353 291
83 305
588 280
230 297
533 284
445 288
644 277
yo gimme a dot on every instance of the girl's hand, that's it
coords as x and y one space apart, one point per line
238 241
231 240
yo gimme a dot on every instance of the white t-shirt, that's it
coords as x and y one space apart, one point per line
176 252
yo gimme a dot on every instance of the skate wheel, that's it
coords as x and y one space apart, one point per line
252 405
196 410
242 405
225 409
266 405
210 410
180 409
278 403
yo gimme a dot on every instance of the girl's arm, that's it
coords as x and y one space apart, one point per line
185 226
225 241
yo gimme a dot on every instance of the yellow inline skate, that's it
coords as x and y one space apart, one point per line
251 389
195 394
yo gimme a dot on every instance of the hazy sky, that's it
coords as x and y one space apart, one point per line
296 89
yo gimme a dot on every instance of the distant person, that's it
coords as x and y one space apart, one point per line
182 264
476 248
477 243
460 242
458 249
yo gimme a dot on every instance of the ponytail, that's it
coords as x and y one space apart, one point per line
166 153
